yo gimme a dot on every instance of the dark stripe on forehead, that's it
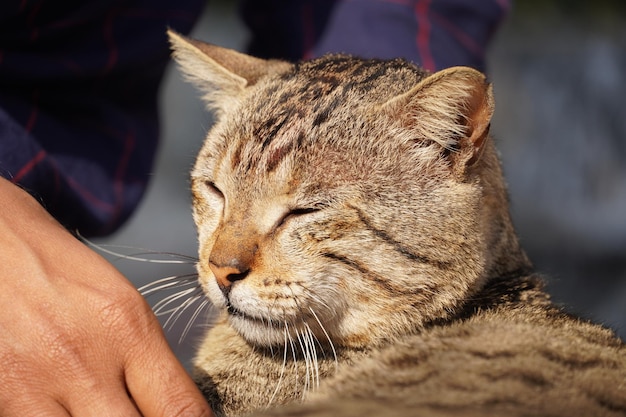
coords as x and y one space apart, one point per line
363 77
315 90
301 138
267 131
380 71
323 113
276 155
328 64
236 159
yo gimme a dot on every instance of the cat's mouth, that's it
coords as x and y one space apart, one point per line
266 330
265 322
235 312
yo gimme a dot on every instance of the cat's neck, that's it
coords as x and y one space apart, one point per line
505 256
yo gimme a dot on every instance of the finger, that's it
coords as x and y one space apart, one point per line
98 409
160 385
97 402
39 406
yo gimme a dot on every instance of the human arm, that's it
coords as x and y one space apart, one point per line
77 338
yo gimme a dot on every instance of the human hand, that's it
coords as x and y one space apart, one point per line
76 338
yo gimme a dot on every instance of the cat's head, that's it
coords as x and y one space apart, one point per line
353 199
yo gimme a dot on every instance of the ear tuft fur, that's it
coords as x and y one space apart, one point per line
452 107
222 74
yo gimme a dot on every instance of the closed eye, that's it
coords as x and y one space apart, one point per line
212 188
297 212
302 211
210 197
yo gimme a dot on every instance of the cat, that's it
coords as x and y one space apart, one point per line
355 235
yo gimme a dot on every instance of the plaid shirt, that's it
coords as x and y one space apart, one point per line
79 78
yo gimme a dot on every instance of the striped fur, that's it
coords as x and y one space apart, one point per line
354 232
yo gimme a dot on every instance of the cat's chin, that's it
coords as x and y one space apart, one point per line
266 332
257 331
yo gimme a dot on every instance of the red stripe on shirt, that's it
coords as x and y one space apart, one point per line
505 4
129 146
308 31
423 34
92 199
29 166
457 32
34 113
39 157
34 30
109 39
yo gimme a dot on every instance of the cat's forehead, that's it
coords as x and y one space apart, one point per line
354 70
309 115
343 78
301 104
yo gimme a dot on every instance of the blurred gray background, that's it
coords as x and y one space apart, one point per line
559 74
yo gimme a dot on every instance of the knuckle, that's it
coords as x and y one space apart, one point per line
60 347
127 317
124 312
186 407
67 354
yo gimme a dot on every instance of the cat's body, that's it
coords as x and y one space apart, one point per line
354 230
504 358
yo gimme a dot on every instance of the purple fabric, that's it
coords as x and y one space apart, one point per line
78 114
79 78
433 33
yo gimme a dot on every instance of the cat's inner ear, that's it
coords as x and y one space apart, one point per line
452 107
221 73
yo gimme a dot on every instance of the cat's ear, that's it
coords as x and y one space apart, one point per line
222 74
452 107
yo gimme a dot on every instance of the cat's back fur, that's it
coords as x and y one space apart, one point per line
354 232
505 360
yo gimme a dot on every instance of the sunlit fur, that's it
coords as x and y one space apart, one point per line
361 209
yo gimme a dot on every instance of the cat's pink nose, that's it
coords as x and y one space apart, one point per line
226 275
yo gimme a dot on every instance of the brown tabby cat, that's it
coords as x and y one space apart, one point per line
354 231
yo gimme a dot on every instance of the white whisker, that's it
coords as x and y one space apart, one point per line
330 342
307 362
271 326
316 298
187 284
319 300
160 307
315 364
293 352
182 259
282 369
168 283
194 316
178 311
